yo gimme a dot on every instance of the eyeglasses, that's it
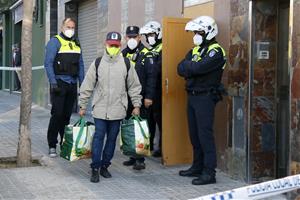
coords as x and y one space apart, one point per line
70 45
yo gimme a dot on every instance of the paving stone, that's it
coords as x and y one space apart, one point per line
60 179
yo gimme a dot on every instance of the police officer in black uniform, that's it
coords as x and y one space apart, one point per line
153 33
139 55
202 69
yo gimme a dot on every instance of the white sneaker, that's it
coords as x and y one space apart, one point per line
52 153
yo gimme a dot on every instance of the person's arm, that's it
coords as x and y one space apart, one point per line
87 86
134 87
51 52
151 75
181 66
210 62
81 70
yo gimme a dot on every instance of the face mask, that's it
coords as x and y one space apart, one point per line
151 40
69 33
113 51
198 39
132 43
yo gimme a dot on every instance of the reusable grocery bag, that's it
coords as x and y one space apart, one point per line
135 137
77 141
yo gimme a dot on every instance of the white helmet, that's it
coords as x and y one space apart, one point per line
203 23
152 27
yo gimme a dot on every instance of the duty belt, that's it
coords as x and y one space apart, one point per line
195 93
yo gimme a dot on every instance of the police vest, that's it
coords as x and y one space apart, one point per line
197 56
133 57
67 58
157 49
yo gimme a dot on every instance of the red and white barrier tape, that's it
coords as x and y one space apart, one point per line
257 191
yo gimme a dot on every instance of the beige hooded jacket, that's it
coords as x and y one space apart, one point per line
110 92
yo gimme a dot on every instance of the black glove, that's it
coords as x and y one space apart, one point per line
54 88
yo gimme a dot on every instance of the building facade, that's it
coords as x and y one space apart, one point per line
258 131
11 29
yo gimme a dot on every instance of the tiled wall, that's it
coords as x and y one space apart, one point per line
294 56
264 87
294 59
237 73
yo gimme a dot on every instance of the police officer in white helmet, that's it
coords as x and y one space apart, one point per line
153 33
202 68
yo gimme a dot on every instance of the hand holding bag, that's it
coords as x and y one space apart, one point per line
135 137
77 142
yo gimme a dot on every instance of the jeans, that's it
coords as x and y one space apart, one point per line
110 128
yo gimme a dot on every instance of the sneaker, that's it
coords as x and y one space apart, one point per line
52 153
95 176
139 165
129 162
104 172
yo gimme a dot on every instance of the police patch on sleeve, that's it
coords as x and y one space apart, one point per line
212 53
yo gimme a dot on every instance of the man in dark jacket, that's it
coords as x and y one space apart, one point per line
65 68
153 34
143 62
202 69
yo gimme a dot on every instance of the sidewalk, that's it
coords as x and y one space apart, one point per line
60 179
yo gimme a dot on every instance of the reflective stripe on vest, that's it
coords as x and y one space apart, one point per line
157 49
196 55
68 46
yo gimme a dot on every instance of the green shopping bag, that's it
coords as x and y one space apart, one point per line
77 141
135 137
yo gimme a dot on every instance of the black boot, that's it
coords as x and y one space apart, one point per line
129 162
139 165
190 172
95 176
205 178
156 153
104 172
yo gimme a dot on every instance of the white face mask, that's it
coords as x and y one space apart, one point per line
151 40
132 43
69 33
198 39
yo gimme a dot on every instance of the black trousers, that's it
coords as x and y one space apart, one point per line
156 118
62 105
17 81
200 109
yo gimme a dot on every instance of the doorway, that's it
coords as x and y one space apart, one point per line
282 140
269 99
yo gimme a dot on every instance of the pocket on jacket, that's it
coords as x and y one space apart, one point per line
124 101
98 98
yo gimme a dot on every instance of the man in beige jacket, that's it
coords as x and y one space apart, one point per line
109 79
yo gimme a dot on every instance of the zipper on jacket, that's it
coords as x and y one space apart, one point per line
107 103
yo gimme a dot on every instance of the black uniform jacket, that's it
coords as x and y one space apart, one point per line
205 74
146 70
